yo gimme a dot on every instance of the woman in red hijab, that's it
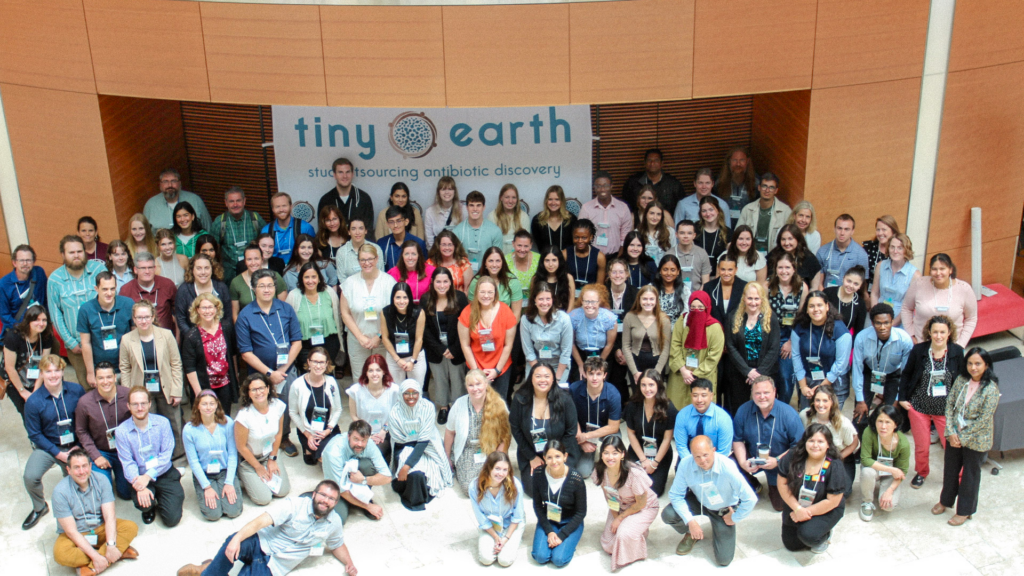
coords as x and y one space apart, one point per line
697 345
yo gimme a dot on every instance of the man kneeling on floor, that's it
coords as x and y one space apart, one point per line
91 538
277 541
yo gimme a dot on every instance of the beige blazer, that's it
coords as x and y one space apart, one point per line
167 356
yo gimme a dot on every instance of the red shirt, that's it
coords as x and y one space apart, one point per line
419 287
162 296
503 320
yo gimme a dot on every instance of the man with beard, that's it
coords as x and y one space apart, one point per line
70 286
24 286
159 209
737 181
277 541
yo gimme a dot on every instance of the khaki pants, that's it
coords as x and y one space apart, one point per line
871 482
67 554
77 362
255 487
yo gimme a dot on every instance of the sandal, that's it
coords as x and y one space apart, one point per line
938 509
958 520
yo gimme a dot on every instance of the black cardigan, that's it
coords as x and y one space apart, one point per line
563 428
736 346
718 311
432 337
193 357
918 362
542 239
572 497
187 294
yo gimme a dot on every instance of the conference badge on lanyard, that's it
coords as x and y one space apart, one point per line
151 378
554 512
938 383
877 382
402 343
282 355
32 372
486 340
316 335
66 435
109 336
112 438
319 421
711 494
692 362
369 311
539 439
214 467
817 372
788 314
650 446
612 496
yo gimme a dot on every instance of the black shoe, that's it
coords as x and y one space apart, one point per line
34 517
755 484
149 516
289 448
442 416
917 482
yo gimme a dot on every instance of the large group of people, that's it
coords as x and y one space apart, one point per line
717 326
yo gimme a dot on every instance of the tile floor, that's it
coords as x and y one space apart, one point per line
443 538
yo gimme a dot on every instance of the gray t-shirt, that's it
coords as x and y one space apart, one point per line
70 501
295 531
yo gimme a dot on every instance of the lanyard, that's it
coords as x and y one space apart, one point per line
894 437
828 260
878 355
92 494
598 401
558 496
341 203
67 416
949 297
714 244
156 294
103 414
465 232
945 356
312 393
852 305
820 341
309 313
145 365
576 261
284 338
771 437
820 475
113 320
550 240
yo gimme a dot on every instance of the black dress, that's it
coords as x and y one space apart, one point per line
637 421
544 236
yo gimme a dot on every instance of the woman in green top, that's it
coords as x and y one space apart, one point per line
317 308
970 409
186 228
510 291
884 460
241 289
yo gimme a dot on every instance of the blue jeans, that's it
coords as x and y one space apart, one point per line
249 553
117 479
787 379
559 555
841 387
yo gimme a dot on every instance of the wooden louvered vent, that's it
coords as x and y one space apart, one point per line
692 134
224 142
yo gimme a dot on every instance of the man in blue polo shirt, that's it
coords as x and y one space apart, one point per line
102 322
703 418
391 245
25 285
285 228
598 409
269 338
764 430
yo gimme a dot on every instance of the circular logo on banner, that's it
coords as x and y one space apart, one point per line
412 134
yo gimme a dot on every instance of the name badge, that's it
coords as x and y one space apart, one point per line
282 356
579 291
151 378
214 466
938 382
32 372
109 336
612 496
545 353
317 549
691 360
444 338
319 421
496 523
112 438
316 335
788 315
66 435
735 213
474 265
402 342
151 463
268 444
687 268
604 225
817 373
591 426
486 341
884 461
942 309
554 512
275 485
539 439
478 457
369 308
807 497
877 382
92 538
602 240
711 495
650 446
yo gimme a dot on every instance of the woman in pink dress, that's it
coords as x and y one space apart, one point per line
632 505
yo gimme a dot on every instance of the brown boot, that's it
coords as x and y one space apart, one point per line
192 569
130 554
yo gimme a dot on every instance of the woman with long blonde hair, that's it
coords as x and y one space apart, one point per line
752 344
886 228
509 216
553 225
477 426
498 495
444 213
140 236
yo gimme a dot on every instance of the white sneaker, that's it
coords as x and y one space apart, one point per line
821 548
867 511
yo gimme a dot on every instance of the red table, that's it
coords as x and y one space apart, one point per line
1004 311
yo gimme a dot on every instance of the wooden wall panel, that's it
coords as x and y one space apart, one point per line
778 139
506 55
264 54
982 125
143 137
869 41
45 44
751 46
147 48
860 153
383 56
987 32
57 140
646 55
997 261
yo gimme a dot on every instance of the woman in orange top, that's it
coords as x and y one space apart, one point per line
487 330
448 252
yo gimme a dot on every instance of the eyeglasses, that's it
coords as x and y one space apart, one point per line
769 188
24 261
264 286
318 363
139 405
326 497
367 260
256 389
141 318
592 302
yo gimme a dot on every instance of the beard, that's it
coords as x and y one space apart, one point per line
321 510
76 264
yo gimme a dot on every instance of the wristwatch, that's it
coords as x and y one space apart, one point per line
273 457
269 373
112 544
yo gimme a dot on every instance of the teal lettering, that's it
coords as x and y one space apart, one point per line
316 132
370 145
459 134
498 140
512 127
536 123
554 123
332 129
301 128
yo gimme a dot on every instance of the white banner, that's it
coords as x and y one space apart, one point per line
482 148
